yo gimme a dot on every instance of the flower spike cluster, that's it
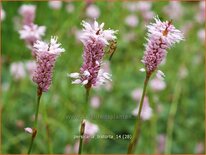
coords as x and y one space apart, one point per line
94 39
46 55
161 36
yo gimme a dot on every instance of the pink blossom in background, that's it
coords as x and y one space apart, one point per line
90 130
199 148
94 39
131 20
161 36
201 35
174 10
32 33
144 6
136 94
130 6
92 11
200 17
78 34
128 37
147 15
17 70
68 149
187 27
56 5
46 55
27 11
3 14
95 102
146 112
30 67
70 7
161 139
157 84
140 6
76 147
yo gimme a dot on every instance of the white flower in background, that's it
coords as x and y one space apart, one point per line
131 20
201 35
95 102
92 11
17 70
174 10
56 5
3 14
70 8
146 112
157 84
28 130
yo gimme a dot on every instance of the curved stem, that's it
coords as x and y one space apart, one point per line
136 133
39 94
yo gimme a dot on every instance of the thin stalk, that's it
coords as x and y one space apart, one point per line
136 133
83 123
48 139
81 136
39 94
171 119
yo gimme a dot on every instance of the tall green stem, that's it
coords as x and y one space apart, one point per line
81 136
171 119
83 123
136 133
39 94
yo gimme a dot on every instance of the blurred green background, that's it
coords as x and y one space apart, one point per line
184 93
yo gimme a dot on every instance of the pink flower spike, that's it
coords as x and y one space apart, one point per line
161 36
94 39
46 55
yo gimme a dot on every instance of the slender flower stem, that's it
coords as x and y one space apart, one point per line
83 123
39 94
81 136
136 133
171 119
